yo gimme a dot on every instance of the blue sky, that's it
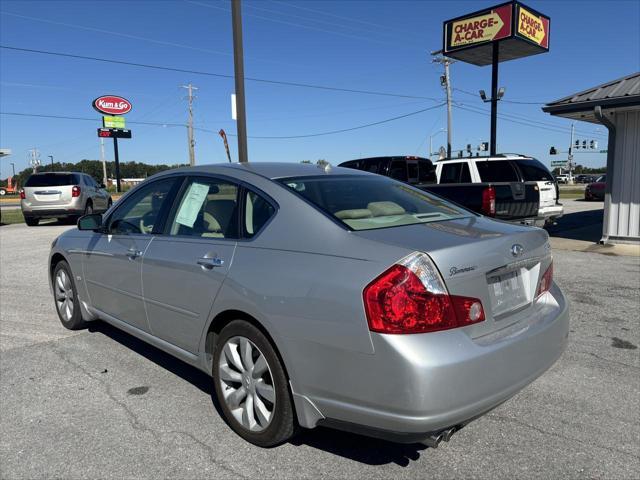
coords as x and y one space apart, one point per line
366 45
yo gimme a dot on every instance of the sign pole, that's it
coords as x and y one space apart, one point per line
238 61
117 161
495 60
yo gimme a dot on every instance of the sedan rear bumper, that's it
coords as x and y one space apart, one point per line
419 384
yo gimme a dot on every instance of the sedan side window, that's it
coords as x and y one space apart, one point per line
140 212
257 211
208 208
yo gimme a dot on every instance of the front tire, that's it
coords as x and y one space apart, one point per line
251 386
66 297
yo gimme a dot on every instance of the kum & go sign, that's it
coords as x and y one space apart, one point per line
112 105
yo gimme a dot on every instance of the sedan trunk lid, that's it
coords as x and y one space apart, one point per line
496 262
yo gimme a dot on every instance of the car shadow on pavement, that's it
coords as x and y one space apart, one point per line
191 374
585 225
370 451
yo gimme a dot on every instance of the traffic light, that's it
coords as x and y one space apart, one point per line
584 144
577 143
468 147
553 151
484 146
593 144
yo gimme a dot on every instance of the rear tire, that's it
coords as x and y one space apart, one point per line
251 386
31 222
65 296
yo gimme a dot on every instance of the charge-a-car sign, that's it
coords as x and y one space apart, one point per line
533 27
519 31
489 26
112 105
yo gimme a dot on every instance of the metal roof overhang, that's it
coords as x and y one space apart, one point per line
584 110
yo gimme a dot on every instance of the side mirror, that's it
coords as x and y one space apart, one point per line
93 221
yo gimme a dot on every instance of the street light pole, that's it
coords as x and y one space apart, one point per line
13 167
51 157
238 63
431 141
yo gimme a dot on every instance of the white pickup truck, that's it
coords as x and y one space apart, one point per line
506 168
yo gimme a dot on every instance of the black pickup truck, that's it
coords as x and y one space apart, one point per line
515 201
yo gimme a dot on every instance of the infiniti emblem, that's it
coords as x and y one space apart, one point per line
517 249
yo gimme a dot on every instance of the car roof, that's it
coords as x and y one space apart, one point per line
58 173
505 156
273 170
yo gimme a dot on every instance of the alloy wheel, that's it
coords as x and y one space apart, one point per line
246 383
64 295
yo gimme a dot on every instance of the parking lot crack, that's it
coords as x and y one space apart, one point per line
210 452
134 420
500 418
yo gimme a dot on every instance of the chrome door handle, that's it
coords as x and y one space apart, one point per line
209 263
132 253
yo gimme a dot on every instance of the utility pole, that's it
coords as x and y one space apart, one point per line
192 143
13 167
51 157
34 159
570 156
104 163
238 63
445 81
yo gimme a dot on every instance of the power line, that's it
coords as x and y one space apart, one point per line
332 132
219 75
387 120
64 117
506 116
294 24
502 99
114 33
556 129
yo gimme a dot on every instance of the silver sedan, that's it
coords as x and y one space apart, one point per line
320 297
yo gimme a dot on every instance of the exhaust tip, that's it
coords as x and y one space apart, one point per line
432 441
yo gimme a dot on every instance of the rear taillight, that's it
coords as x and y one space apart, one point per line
489 201
22 196
75 191
410 297
545 281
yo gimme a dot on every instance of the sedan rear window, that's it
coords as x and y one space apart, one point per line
52 180
367 203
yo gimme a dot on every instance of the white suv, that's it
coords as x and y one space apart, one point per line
510 168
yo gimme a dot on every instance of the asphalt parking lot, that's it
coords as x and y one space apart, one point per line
101 404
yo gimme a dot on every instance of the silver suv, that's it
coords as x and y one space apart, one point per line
62 195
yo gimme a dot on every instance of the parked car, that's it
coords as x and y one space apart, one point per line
62 195
320 296
595 190
513 188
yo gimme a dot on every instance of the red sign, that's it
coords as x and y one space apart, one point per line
112 105
489 26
